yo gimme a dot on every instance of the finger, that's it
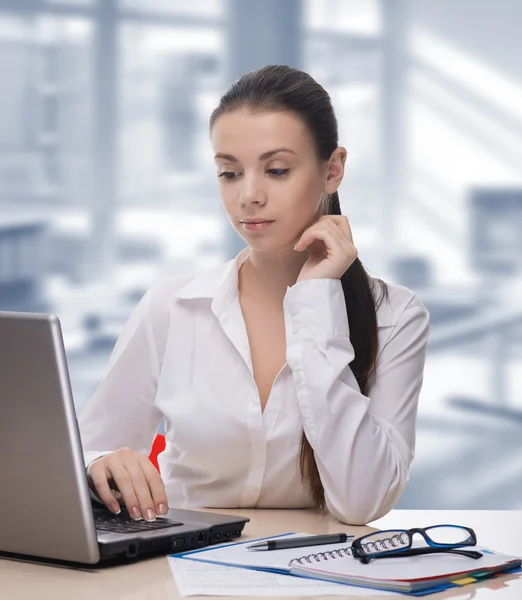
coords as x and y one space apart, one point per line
141 489
328 233
320 243
123 480
307 237
341 221
100 480
344 225
156 486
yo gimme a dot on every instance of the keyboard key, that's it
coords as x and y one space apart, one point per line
124 524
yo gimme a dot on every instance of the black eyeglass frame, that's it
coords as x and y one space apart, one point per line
359 552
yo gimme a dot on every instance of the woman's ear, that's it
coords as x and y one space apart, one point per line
335 170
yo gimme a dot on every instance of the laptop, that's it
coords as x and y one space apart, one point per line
46 510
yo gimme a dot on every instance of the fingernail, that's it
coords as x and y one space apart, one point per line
150 515
162 509
115 507
136 515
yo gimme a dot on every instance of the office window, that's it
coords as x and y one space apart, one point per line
170 80
72 3
362 17
342 50
15 74
63 103
45 122
201 8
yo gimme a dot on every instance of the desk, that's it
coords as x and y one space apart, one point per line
152 580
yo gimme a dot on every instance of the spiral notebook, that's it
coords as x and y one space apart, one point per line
277 561
415 575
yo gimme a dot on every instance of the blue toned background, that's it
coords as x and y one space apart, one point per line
107 182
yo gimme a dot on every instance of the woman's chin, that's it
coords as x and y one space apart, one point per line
272 247
266 243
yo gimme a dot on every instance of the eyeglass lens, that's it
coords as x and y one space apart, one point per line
449 534
391 541
385 541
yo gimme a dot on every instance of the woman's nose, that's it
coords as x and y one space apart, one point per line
252 192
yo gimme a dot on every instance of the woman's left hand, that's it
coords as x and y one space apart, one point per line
331 248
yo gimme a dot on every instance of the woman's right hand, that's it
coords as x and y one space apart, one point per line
131 476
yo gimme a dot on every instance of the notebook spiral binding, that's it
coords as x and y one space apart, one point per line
342 552
310 558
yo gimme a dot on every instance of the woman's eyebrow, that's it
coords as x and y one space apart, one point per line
263 156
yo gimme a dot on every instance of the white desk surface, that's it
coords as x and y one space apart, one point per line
151 579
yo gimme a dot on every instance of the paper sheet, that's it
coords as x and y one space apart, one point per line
237 554
197 578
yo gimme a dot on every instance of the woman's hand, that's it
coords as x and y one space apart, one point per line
331 248
132 476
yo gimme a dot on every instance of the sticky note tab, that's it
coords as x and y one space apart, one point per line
464 581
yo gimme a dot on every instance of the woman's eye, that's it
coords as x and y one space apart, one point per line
278 172
228 174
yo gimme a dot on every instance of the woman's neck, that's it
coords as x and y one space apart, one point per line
266 276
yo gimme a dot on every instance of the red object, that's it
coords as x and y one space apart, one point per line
157 447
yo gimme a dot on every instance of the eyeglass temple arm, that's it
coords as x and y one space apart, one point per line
415 551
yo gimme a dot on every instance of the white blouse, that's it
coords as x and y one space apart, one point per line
184 356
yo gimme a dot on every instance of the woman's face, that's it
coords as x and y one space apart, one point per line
270 179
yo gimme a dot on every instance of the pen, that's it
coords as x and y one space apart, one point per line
298 542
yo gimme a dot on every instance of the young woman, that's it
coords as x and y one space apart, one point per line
287 377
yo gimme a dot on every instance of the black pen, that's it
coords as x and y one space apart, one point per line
298 542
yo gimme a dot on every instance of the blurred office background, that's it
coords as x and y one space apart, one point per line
107 182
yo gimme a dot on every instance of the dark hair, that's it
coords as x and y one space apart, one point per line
283 88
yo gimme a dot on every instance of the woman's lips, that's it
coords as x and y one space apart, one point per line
258 226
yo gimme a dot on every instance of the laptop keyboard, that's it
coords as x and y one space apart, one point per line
122 523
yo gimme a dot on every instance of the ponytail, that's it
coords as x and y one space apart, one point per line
361 308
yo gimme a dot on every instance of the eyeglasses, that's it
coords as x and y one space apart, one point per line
399 542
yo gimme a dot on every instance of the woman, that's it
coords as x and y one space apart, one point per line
287 377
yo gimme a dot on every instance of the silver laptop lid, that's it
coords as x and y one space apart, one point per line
44 498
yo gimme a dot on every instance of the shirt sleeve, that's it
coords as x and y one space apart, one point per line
363 445
121 412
